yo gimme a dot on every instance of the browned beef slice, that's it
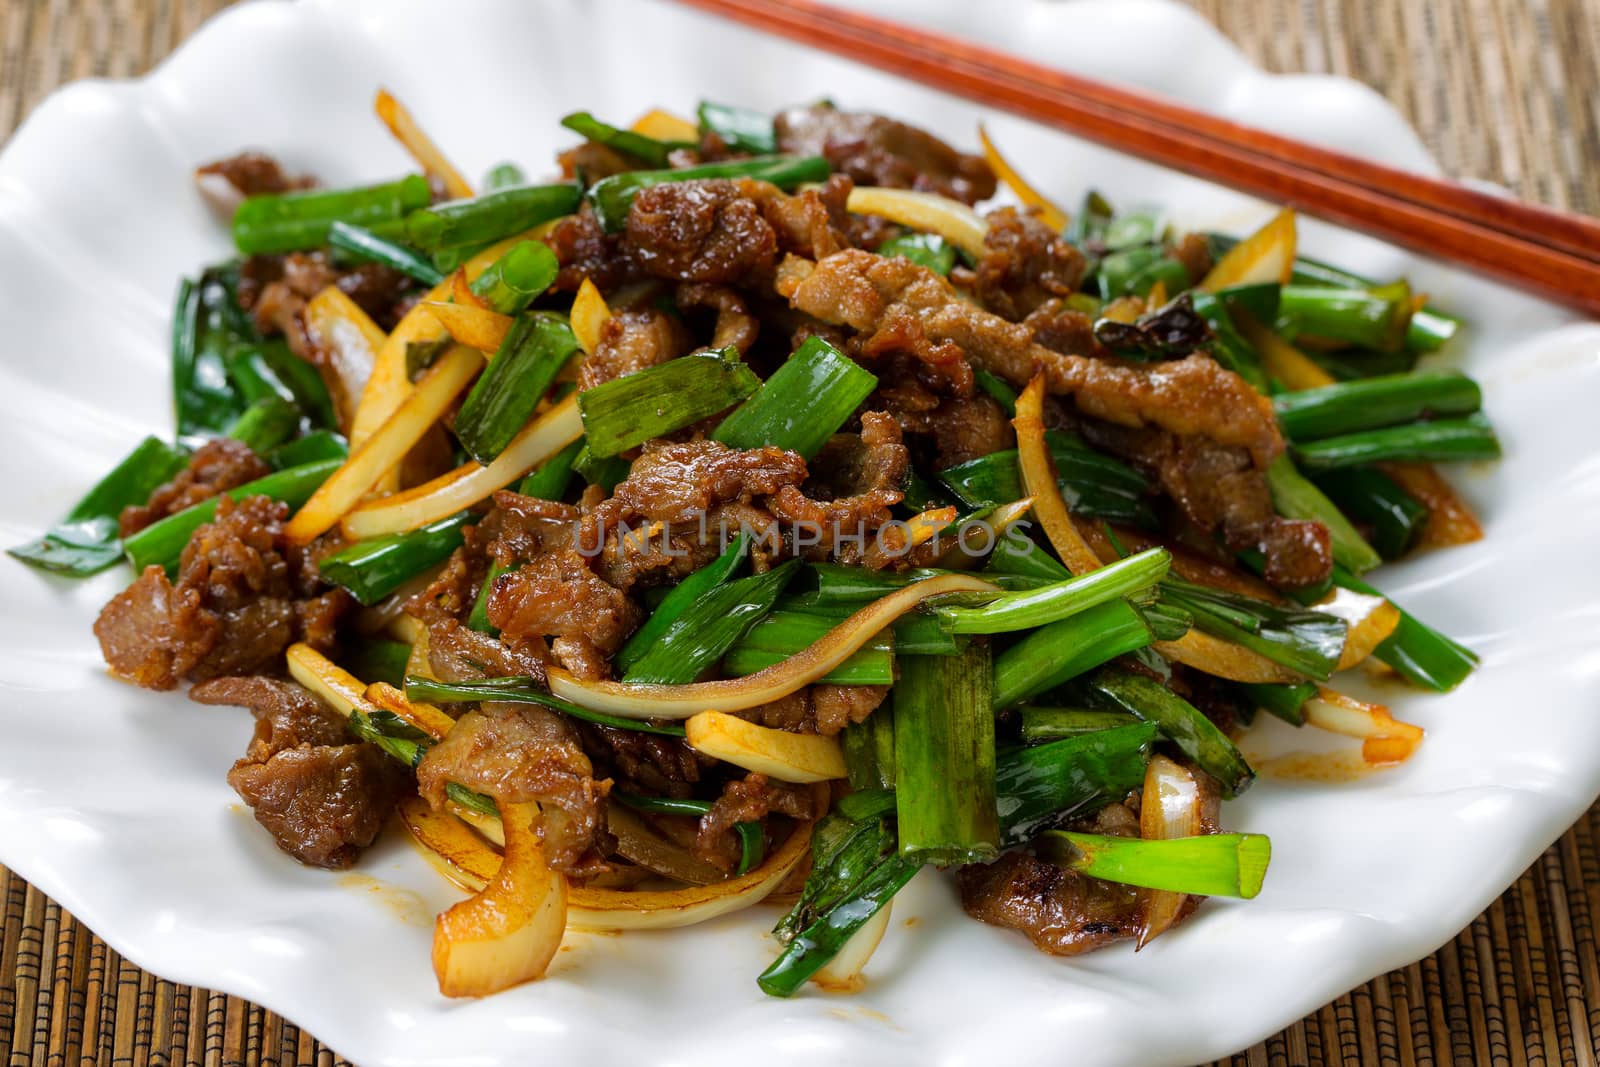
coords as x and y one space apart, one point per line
585 250
1061 911
874 150
748 799
558 595
1193 395
322 804
459 654
255 174
233 610
964 428
630 341
215 467
1025 263
1061 329
859 478
1218 488
680 481
647 763
287 715
518 754
819 709
736 324
701 231
275 290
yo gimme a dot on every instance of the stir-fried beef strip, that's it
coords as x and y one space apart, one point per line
865 475
215 467
747 799
631 340
234 608
1061 911
874 150
518 753
255 174
323 798
1025 264
819 709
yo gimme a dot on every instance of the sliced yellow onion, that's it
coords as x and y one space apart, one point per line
1224 659
427 154
593 908
929 212
1384 738
665 126
1281 359
350 342
1049 213
1039 481
1265 256
1451 520
340 689
1001 519
418 665
842 974
510 931
917 530
546 435
778 754
589 317
425 717
473 326
640 701
1169 807
449 844
1369 619
417 413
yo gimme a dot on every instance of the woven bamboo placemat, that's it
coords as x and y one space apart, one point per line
1506 90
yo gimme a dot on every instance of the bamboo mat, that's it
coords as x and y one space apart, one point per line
1505 90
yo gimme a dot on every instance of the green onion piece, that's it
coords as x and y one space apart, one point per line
915 633
740 128
1296 498
207 323
679 600
1228 345
869 752
374 568
1284 701
86 541
646 150
867 667
855 871
293 222
861 804
373 659
1039 785
612 197
161 543
1439 441
448 260
1120 272
263 369
1180 721
604 471
550 479
503 176
1372 498
944 758
368 247
505 395
1062 650
478 619
788 632
1211 865
1091 220
522 690
802 404
628 411
1305 641
706 629
472 801
998 388
1167 621
406 750
1421 654
1259 300
511 283
1020 557
1025 610
1373 403
1352 316
1053 724
266 424
490 217
1093 485
924 249
312 448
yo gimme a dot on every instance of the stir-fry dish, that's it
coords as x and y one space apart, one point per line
744 515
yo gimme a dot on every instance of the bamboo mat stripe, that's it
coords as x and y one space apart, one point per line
1502 90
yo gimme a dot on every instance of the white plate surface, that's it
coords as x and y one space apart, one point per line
112 800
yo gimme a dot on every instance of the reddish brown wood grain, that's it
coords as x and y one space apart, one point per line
1546 252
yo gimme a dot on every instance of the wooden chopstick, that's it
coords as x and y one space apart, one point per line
1546 252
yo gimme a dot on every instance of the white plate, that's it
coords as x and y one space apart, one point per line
112 800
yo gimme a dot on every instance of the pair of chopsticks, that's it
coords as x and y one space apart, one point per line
1546 252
